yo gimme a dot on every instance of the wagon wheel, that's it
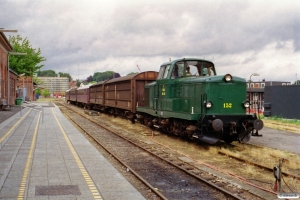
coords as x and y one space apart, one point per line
132 120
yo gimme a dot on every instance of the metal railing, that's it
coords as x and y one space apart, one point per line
32 107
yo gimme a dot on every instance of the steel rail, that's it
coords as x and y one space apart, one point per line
118 159
177 166
258 165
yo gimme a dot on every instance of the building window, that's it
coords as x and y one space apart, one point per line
262 85
252 85
283 83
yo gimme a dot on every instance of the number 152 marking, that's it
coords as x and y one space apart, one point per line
227 105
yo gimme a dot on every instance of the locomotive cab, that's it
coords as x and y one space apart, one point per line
190 99
187 69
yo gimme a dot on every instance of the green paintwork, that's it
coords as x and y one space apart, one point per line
181 97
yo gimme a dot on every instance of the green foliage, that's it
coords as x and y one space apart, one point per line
65 75
283 120
27 64
48 73
45 92
51 73
37 80
78 83
92 82
38 91
89 79
102 76
296 82
132 73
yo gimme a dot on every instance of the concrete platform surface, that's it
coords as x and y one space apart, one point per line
43 156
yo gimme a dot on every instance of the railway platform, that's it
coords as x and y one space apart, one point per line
43 156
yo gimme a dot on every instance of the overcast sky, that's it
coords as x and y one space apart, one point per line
83 37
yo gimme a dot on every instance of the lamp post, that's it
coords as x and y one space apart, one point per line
250 94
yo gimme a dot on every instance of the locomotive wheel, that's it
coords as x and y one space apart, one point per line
245 135
228 140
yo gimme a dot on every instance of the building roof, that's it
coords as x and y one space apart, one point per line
5 43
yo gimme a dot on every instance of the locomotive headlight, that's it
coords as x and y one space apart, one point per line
227 77
246 104
208 104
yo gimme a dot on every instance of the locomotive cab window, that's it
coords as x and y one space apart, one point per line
198 68
178 70
163 72
192 70
166 71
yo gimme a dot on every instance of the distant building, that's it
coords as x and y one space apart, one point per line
72 84
255 93
55 84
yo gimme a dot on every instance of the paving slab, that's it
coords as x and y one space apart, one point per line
55 159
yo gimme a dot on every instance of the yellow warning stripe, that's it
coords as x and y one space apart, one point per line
85 174
27 166
16 124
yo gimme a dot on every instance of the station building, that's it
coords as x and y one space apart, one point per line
8 78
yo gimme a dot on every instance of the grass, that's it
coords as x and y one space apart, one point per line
281 119
266 156
43 99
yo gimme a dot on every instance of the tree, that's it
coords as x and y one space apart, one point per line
132 73
102 76
89 79
37 80
61 74
48 73
78 83
28 64
52 73
296 82
45 92
38 91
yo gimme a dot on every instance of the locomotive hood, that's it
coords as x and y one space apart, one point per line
211 79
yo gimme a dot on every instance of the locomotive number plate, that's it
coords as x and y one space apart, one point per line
227 105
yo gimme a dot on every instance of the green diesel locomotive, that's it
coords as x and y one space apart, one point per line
190 99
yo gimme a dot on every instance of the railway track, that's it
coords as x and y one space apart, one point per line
160 170
260 165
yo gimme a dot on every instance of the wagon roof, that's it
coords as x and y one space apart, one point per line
71 89
129 77
84 87
100 83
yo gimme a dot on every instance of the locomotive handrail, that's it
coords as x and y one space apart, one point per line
32 108
202 96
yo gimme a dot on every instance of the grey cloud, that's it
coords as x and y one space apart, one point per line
72 33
